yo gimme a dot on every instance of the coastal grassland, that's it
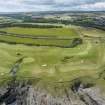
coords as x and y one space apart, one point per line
52 66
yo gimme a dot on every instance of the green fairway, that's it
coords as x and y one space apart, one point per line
59 37
37 42
57 32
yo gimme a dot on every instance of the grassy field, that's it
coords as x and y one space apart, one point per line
50 37
93 32
37 42
51 65
57 32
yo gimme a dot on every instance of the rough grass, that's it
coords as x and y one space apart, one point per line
93 32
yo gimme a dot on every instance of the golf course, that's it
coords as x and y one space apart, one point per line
49 60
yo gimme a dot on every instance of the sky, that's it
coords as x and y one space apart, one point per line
51 5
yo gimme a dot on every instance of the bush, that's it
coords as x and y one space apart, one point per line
86 82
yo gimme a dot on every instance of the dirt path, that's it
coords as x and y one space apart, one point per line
16 67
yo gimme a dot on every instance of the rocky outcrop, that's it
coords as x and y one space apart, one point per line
23 93
91 96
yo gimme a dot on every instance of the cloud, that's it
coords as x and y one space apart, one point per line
96 6
50 5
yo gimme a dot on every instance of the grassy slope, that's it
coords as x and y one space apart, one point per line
83 60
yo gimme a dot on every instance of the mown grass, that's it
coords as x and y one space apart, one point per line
57 32
36 42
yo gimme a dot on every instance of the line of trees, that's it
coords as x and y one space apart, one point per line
28 25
